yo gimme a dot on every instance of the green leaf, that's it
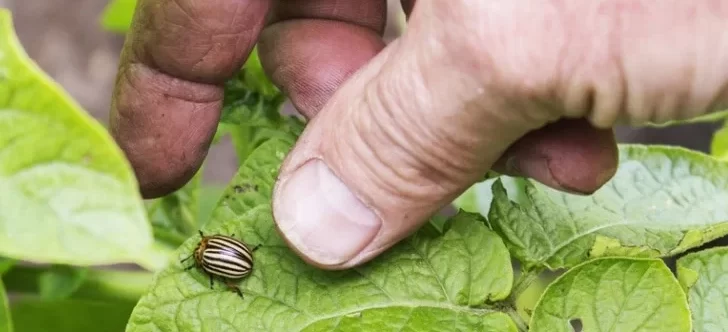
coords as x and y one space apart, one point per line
6 323
117 15
441 281
479 197
614 294
704 276
251 110
67 194
662 201
179 210
710 117
70 315
250 97
61 281
719 144
247 138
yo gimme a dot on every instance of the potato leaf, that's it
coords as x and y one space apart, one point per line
719 144
614 294
117 15
250 97
67 194
704 276
434 281
251 110
6 324
479 197
662 201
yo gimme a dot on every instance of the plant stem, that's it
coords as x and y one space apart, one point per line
517 319
100 284
525 280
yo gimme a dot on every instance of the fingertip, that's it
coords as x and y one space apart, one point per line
164 126
310 59
569 155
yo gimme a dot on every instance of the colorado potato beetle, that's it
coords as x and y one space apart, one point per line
224 257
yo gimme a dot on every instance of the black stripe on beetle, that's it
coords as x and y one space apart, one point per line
224 257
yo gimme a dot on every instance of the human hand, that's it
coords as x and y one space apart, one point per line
526 88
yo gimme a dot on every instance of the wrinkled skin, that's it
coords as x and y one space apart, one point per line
526 88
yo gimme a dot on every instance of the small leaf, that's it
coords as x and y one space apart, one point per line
70 315
67 194
179 210
250 97
6 323
61 281
479 197
614 294
251 110
117 15
662 201
704 276
246 138
437 281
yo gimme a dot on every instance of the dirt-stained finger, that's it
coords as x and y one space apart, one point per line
168 93
311 47
569 155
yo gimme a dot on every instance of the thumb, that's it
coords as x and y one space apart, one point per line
390 148
398 141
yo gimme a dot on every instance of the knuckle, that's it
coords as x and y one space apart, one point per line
200 41
407 155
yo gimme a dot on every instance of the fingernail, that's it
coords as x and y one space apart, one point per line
321 217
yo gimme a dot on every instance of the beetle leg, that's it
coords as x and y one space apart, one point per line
256 247
210 281
189 267
201 235
188 257
234 288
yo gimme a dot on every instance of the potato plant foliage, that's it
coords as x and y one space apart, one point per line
69 202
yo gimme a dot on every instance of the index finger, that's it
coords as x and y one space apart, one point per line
168 93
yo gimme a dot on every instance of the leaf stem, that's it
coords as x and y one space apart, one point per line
99 284
517 319
524 281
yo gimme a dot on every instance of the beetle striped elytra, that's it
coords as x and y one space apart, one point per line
224 257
